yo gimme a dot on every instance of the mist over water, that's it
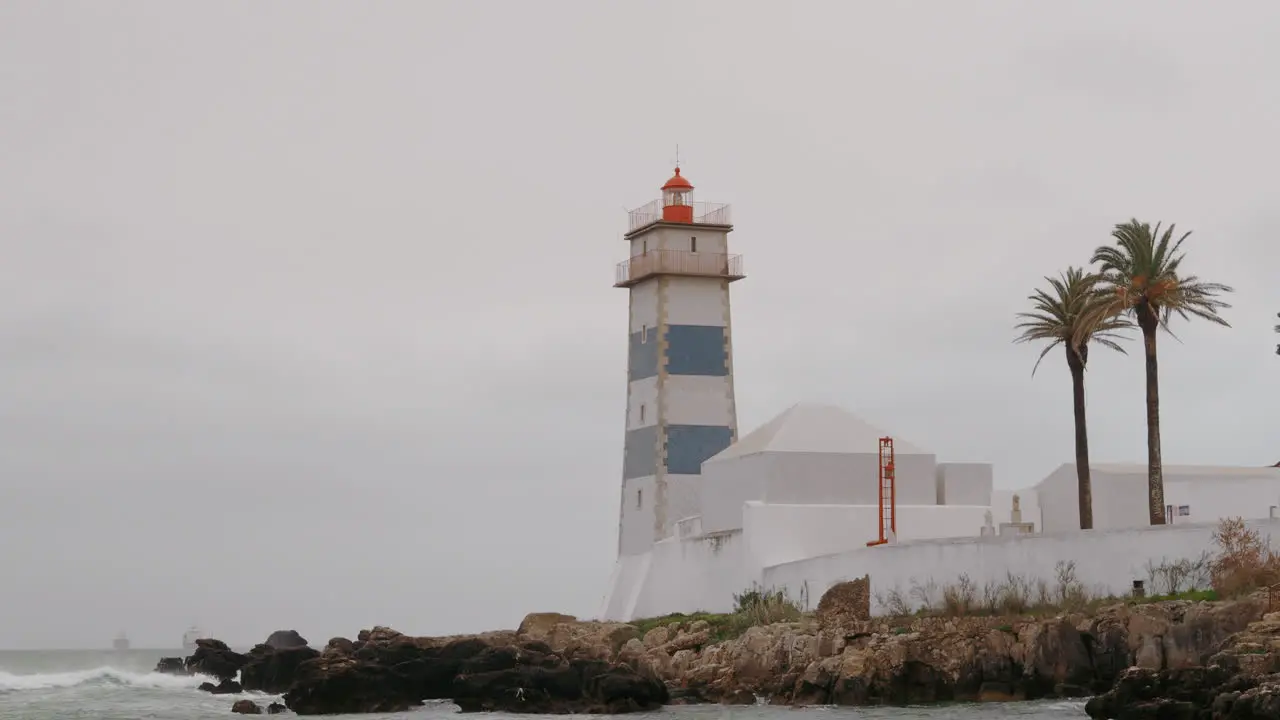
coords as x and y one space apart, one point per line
109 685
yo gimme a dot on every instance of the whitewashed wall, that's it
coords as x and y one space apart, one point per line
726 485
1106 561
802 478
693 574
1120 495
778 534
1213 500
1028 500
847 478
964 483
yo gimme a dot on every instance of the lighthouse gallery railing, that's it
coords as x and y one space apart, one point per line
704 213
678 262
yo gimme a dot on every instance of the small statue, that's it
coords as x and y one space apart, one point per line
987 519
1016 514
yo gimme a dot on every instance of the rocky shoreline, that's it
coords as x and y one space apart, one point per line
1175 659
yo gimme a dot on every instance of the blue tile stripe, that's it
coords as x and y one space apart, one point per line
688 446
697 350
642 358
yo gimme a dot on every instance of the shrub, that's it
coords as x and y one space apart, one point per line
1179 576
765 607
1245 561
959 599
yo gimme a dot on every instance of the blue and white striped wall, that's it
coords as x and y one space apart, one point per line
680 401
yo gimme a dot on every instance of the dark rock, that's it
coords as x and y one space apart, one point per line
276 708
214 658
283 639
1260 703
226 687
172 666
273 670
579 686
246 707
339 646
338 685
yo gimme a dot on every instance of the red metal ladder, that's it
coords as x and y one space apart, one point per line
888 494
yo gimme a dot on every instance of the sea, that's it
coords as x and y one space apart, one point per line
120 685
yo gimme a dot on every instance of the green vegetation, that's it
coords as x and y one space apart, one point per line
752 607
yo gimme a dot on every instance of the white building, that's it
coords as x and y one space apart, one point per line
1192 493
795 503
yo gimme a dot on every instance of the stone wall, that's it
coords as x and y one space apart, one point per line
846 603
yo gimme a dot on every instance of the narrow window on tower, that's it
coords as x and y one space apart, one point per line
639 498
644 246
644 334
693 244
641 412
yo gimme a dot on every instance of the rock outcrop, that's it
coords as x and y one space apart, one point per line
214 658
936 659
172 666
385 671
272 666
285 639
556 664
1241 681
246 707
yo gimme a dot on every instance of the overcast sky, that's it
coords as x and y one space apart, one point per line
306 316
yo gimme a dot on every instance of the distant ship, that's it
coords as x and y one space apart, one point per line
121 642
190 637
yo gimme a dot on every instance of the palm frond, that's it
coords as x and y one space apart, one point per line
1139 277
1065 314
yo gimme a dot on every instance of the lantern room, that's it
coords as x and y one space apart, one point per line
677 199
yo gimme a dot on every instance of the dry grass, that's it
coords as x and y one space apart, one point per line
1241 562
1015 594
1245 561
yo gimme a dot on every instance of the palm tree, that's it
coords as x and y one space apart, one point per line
1141 278
1057 319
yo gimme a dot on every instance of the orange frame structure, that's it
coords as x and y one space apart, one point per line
888 495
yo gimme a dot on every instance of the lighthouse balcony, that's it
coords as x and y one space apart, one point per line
704 213
678 262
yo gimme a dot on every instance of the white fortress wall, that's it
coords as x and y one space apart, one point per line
629 575
692 574
1105 561
777 534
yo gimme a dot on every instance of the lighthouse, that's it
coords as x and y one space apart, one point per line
680 404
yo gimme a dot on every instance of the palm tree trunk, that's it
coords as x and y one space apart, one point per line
1084 482
1155 468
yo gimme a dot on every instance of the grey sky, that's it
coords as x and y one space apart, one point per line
305 307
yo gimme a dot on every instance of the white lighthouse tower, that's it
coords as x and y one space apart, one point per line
680 406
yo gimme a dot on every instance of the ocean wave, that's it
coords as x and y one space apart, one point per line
98 676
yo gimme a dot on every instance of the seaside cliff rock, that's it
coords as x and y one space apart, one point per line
1239 682
386 671
214 658
556 664
272 666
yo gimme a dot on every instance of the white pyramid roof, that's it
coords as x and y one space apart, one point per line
815 428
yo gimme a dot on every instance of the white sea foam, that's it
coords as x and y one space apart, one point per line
98 676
